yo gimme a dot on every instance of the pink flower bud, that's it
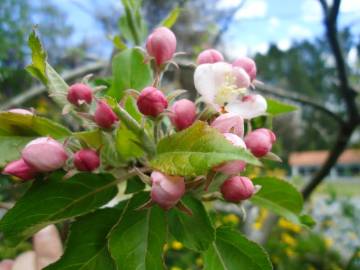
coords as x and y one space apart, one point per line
86 160
44 154
79 93
229 123
20 169
260 141
6 265
183 114
104 116
237 188
151 101
20 111
209 56
248 65
166 190
161 44
236 166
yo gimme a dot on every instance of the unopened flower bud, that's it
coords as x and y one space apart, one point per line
86 160
20 111
44 154
248 65
20 169
209 56
151 101
104 116
166 190
236 166
237 188
6 264
229 123
161 44
183 114
260 141
79 93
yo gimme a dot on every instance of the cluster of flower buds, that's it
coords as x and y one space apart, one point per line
225 87
44 155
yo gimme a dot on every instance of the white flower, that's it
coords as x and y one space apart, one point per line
248 107
220 83
224 86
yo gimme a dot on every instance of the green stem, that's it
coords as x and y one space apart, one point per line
147 144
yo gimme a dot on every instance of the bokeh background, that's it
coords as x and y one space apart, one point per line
291 44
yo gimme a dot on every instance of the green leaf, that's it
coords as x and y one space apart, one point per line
171 19
276 107
195 232
57 87
134 184
17 130
280 197
232 251
195 150
137 241
130 72
31 125
92 138
88 249
119 43
11 147
38 66
54 200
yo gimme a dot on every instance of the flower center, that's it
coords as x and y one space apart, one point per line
228 90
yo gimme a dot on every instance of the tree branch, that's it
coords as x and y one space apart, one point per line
348 94
278 92
37 90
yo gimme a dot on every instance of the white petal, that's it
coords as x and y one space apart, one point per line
250 106
209 78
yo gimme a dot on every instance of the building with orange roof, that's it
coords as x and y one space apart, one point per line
307 163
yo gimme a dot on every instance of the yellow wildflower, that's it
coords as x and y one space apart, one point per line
288 239
328 242
175 268
283 223
231 218
199 262
176 245
290 253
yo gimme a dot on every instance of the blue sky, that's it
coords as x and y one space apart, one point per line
256 25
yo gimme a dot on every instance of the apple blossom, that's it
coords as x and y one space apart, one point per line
161 44
104 116
151 101
86 160
248 65
236 166
237 188
229 123
79 93
20 169
260 141
249 106
220 83
209 56
183 114
166 190
44 154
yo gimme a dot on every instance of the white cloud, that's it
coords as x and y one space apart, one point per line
311 11
261 48
274 22
298 31
350 6
352 56
252 9
226 4
284 44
